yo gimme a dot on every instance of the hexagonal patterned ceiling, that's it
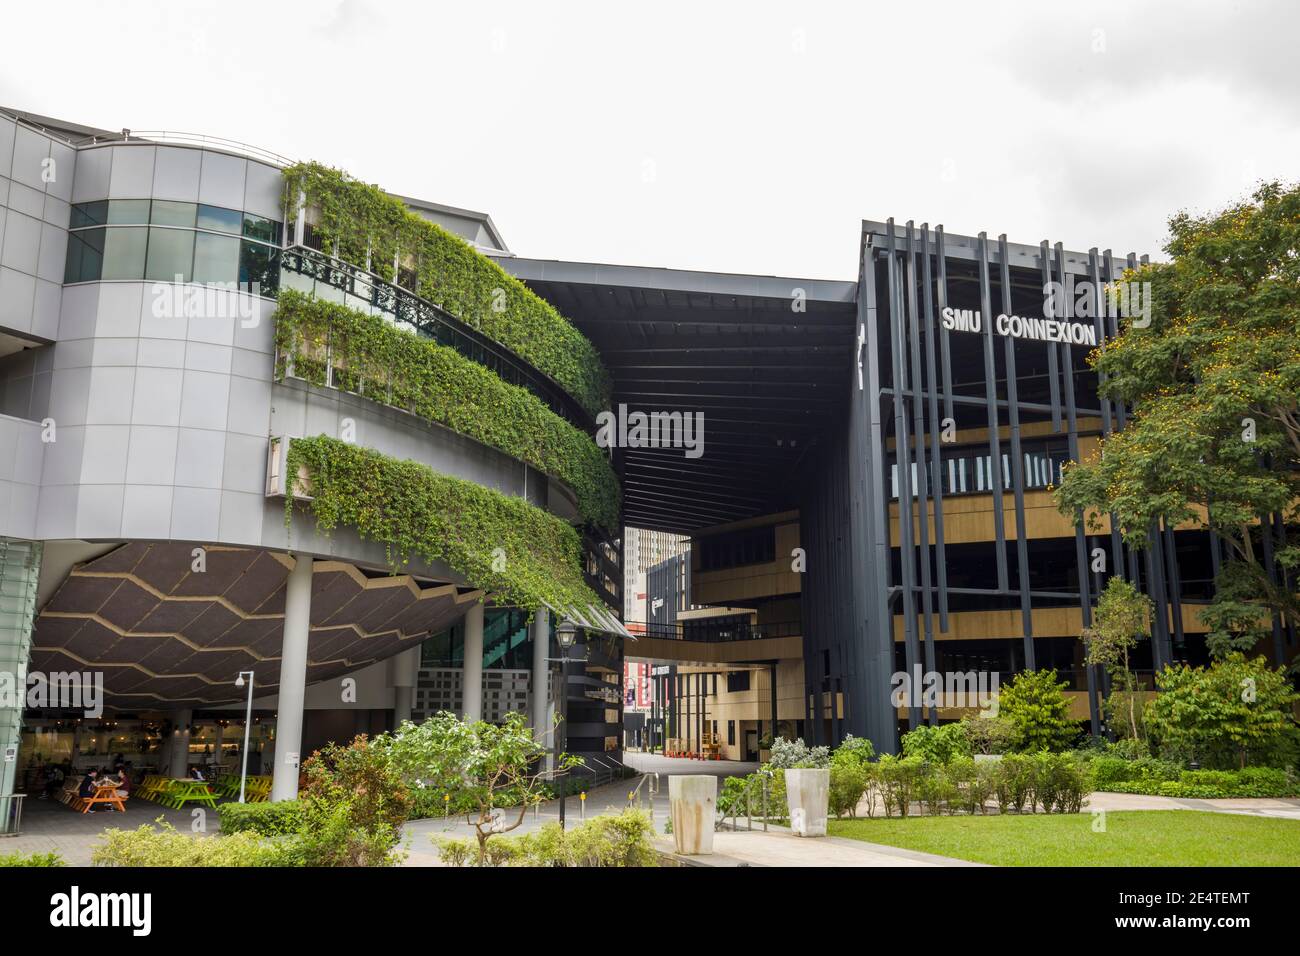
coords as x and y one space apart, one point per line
160 631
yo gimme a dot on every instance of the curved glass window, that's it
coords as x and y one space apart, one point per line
163 240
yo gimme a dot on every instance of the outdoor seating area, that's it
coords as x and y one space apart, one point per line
257 789
170 792
708 749
105 794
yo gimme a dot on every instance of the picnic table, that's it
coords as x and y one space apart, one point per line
104 793
176 793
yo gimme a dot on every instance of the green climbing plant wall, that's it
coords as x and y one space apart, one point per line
369 226
383 362
517 552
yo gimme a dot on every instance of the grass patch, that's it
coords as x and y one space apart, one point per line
1131 838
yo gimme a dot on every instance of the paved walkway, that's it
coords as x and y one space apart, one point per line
1282 808
779 847
51 827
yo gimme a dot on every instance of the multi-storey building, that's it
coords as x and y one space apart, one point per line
162 536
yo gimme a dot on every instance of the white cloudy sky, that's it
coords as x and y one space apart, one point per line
746 137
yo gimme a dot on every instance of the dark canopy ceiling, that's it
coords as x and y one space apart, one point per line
768 379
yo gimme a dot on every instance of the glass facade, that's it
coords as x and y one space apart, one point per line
967 471
159 240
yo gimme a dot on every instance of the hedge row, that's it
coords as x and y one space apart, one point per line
523 555
373 357
1157 778
369 226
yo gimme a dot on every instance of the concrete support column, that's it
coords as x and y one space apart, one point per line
293 680
541 635
179 757
471 682
405 670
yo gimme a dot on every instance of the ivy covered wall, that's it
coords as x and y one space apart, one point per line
387 364
519 553
373 229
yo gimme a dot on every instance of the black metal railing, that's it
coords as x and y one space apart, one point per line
435 322
713 631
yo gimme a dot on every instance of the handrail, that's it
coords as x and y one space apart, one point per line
432 320
11 814
764 781
175 138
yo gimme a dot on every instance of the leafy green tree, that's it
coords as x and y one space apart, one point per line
1214 384
1036 706
1120 622
1235 711
489 767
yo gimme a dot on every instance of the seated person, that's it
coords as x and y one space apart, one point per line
195 773
53 781
88 784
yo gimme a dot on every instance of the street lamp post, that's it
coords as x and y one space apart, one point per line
248 726
565 632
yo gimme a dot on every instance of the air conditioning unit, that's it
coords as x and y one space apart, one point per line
277 467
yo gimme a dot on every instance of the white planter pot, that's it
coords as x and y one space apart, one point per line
691 802
807 793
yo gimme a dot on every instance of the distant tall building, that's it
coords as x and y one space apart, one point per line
642 550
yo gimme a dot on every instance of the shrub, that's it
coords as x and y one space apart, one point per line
788 754
899 777
1013 783
1233 713
850 779
854 748
937 744
1060 782
145 846
31 859
1036 707
264 819
1214 784
622 840
934 789
353 806
989 735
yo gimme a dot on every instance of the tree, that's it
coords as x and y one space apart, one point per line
353 805
1235 711
1120 622
489 766
1038 710
1214 385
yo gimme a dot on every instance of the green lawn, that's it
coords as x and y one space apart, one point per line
1131 838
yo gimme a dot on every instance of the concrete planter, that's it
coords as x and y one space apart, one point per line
691 803
988 758
807 793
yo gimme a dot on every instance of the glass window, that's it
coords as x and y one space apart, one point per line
85 256
171 254
167 212
219 219
216 258
124 253
128 212
260 264
89 214
267 230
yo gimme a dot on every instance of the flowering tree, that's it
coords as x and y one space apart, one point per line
492 767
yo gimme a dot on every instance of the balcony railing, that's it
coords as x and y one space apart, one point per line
709 632
435 322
